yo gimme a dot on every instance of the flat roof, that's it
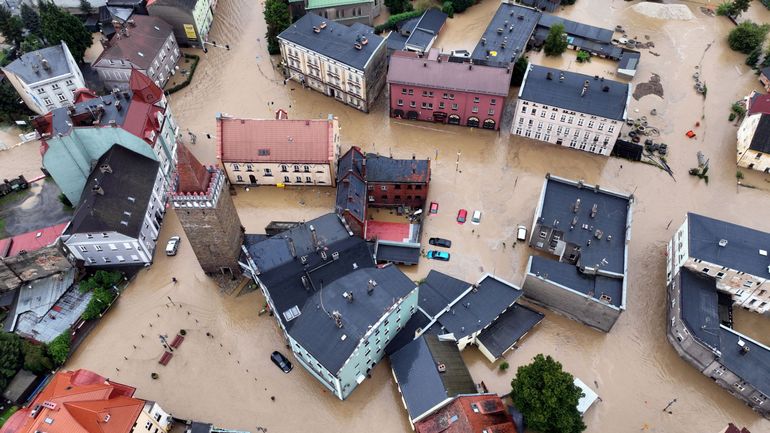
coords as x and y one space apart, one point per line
507 34
567 275
401 254
574 28
564 89
742 252
509 328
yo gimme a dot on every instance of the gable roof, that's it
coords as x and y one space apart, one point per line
384 169
564 89
188 5
758 103
30 241
275 140
127 188
192 176
141 43
334 40
30 68
760 141
469 414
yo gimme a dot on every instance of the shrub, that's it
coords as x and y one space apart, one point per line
100 279
59 348
583 56
101 299
504 365
448 9
731 117
36 358
724 9
390 24
739 175
747 36
186 82
556 42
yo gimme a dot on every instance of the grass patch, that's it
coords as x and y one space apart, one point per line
13 197
7 414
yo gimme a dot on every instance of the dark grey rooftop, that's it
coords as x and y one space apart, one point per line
761 139
611 218
439 290
700 314
567 93
629 60
766 71
742 251
335 41
396 41
569 276
511 25
576 29
351 196
419 39
598 48
351 161
426 28
421 384
29 67
400 254
127 190
418 321
509 328
87 112
545 5
383 169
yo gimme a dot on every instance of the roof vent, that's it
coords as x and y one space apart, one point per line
358 46
106 417
45 64
723 243
605 89
105 168
348 296
549 75
337 317
743 347
763 253
316 29
322 25
499 30
441 367
97 189
364 41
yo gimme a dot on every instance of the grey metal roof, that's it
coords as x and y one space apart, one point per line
509 328
317 332
576 29
420 39
570 276
567 93
438 290
335 41
512 25
761 139
700 313
127 190
29 67
383 169
20 385
629 60
422 386
432 20
742 251
400 254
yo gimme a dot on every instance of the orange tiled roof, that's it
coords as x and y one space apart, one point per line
78 402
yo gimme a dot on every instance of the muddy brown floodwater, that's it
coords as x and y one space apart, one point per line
228 380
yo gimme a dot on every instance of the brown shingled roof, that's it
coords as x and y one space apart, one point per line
145 39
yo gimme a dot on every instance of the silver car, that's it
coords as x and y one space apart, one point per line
173 245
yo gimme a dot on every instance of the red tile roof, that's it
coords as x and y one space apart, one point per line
759 103
78 402
30 241
143 86
193 176
459 416
280 141
732 428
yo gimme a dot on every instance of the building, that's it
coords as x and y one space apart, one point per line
118 219
337 310
429 374
764 78
345 63
278 152
570 109
506 37
543 5
190 19
145 43
84 402
207 214
74 138
434 89
470 413
489 318
754 142
342 11
732 428
417 34
29 256
580 37
585 229
21 387
46 79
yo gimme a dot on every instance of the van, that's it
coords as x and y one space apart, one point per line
476 217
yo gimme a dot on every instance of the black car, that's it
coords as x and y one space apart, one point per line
281 361
440 242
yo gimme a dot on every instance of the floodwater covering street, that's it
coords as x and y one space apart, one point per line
228 378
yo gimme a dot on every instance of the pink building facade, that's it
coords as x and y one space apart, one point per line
433 89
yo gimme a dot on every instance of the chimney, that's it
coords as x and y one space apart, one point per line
549 75
585 88
117 105
316 29
97 189
348 296
314 235
370 287
743 347
337 317
45 64
358 46
606 89
322 25
105 168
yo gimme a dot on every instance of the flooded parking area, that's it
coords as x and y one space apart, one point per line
228 379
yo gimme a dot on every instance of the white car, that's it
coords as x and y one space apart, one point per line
173 245
521 233
476 219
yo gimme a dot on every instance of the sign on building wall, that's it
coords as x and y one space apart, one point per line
189 30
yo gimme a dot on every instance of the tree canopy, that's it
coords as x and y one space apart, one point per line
556 42
278 19
11 27
103 279
31 20
36 358
747 36
547 397
60 347
11 358
58 25
10 108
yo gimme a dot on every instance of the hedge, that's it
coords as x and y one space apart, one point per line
195 59
390 24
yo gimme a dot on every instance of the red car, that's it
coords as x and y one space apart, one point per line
433 207
461 216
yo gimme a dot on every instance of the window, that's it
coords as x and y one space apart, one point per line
148 425
441 105
91 260
268 172
98 247
40 91
610 129
83 248
533 112
299 179
107 260
590 123
720 274
542 113
239 178
47 101
306 168
296 168
383 187
113 247
476 100
412 104
403 90
579 122
61 97
491 112
127 246
451 96
524 110
120 259
454 107
475 408
236 167
286 179
134 257
563 118
492 101
249 167
54 86
400 103
445 95
411 92
308 179
263 152
475 109
284 169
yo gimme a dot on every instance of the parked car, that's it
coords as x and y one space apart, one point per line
440 242
173 245
521 233
438 255
476 219
433 207
281 361
461 216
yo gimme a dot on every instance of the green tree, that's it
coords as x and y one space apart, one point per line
99 302
567 2
737 7
11 26
461 5
519 69
11 358
59 348
448 8
556 42
10 108
747 36
398 6
31 43
31 20
85 7
58 25
100 279
278 19
547 397
36 358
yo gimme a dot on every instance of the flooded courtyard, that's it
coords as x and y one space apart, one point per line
228 378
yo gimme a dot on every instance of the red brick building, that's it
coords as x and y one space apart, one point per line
432 88
469 414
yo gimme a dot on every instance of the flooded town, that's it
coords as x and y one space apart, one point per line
231 243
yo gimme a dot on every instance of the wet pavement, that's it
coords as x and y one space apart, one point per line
633 368
40 208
